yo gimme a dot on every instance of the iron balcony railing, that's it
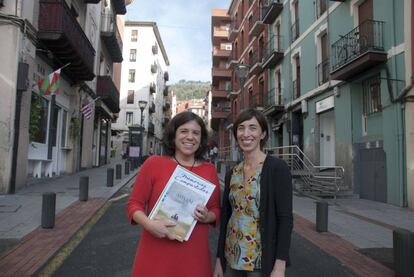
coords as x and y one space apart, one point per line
111 36
273 51
295 30
274 97
296 88
322 70
255 22
368 36
257 100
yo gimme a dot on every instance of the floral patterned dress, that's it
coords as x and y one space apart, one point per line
243 245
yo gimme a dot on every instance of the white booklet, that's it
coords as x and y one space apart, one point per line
177 202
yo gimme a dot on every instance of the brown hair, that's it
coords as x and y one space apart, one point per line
247 115
171 129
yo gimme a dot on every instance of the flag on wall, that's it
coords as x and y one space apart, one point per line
50 85
87 110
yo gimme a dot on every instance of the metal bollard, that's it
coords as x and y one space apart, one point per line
126 168
109 177
48 210
118 171
403 249
322 216
83 188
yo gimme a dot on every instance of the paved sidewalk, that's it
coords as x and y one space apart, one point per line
20 217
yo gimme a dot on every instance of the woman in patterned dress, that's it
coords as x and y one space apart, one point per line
256 215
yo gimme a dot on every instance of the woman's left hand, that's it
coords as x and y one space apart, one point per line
201 214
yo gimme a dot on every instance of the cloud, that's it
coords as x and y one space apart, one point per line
185 27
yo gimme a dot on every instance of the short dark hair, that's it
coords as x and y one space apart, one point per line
171 129
247 115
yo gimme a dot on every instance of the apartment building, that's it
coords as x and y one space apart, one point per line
45 135
144 92
332 75
221 74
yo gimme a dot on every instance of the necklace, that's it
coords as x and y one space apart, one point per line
191 169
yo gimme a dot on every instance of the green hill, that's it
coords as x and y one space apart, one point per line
185 90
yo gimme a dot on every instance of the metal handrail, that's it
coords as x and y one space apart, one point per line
312 175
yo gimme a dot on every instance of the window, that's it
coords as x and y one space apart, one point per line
38 118
129 118
372 95
131 76
133 55
134 35
320 7
130 98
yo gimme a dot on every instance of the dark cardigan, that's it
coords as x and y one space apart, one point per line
276 219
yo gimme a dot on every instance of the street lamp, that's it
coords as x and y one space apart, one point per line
142 104
242 71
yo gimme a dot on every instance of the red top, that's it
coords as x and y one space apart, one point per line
162 257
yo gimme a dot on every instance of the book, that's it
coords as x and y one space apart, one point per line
182 193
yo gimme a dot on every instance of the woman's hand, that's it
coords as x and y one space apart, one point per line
159 228
202 214
218 270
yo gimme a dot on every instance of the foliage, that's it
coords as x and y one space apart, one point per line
74 128
186 90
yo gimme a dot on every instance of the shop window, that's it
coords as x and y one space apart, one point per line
39 110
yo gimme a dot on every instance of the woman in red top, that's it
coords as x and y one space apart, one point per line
185 142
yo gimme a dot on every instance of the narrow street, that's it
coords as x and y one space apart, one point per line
109 249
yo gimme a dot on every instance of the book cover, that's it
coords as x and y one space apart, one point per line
183 192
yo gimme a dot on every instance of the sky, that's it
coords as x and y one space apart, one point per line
185 28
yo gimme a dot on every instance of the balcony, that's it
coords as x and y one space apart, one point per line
271 10
256 101
165 92
233 31
220 74
64 37
323 72
295 30
256 25
166 106
220 112
152 87
255 62
220 53
151 128
166 76
155 49
106 89
111 37
296 88
220 33
151 108
273 52
219 92
273 102
119 6
359 50
232 60
153 68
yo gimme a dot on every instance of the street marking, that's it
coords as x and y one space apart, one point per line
118 197
66 250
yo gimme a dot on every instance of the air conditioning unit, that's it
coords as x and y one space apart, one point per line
228 47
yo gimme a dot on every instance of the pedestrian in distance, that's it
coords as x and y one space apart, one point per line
256 216
158 254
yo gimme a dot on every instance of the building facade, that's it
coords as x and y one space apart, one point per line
143 80
44 135
333 75
221 76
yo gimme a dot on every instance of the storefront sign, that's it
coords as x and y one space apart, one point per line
325 104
